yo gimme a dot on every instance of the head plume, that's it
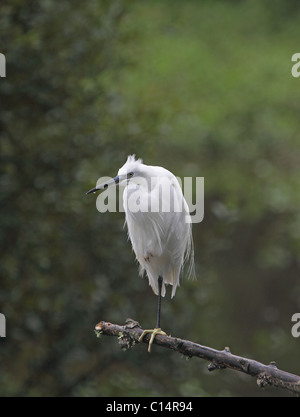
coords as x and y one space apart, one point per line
131 159
131 165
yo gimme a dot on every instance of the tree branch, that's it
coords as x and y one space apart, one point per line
129 334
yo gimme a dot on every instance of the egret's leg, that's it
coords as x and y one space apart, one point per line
157 329
160 280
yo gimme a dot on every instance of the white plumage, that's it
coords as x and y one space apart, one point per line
161 239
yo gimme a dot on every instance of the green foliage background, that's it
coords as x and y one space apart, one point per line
201 88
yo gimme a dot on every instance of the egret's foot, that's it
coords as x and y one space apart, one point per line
154 333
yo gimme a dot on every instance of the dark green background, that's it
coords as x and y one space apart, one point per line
203 88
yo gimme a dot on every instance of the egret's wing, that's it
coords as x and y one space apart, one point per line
161 237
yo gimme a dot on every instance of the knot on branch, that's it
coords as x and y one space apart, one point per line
128 339
213 365
218 363
244 364
263 380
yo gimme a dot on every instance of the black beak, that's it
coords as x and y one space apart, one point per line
104 185
93 190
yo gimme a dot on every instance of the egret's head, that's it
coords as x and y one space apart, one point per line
130 170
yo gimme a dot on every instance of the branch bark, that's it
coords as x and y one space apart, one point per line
129 334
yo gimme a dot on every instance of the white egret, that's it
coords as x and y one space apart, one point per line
159 226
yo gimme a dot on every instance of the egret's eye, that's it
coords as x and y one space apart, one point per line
130 174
